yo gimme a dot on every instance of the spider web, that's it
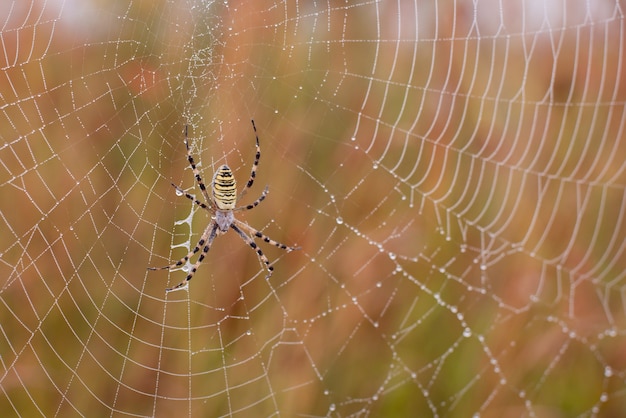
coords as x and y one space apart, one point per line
453 171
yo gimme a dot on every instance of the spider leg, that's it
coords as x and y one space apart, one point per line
210 232
255 165
265 238
193 199
196 172
256 202
190 253
254 246
203 254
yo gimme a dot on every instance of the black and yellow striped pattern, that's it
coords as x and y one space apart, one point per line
221 207
224 188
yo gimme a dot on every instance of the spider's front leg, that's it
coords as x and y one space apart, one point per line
255 247
205 243
237 226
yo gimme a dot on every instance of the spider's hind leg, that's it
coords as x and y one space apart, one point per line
196 172
256 202
255 164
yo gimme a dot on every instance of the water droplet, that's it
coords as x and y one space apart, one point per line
339 220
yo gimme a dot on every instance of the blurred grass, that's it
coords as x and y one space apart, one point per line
439 156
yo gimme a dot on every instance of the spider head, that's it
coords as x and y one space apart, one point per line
223 219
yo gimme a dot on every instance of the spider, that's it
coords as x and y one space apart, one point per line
222 207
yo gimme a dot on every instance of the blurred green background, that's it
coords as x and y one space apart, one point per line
453 171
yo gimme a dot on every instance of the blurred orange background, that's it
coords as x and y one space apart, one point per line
453 172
